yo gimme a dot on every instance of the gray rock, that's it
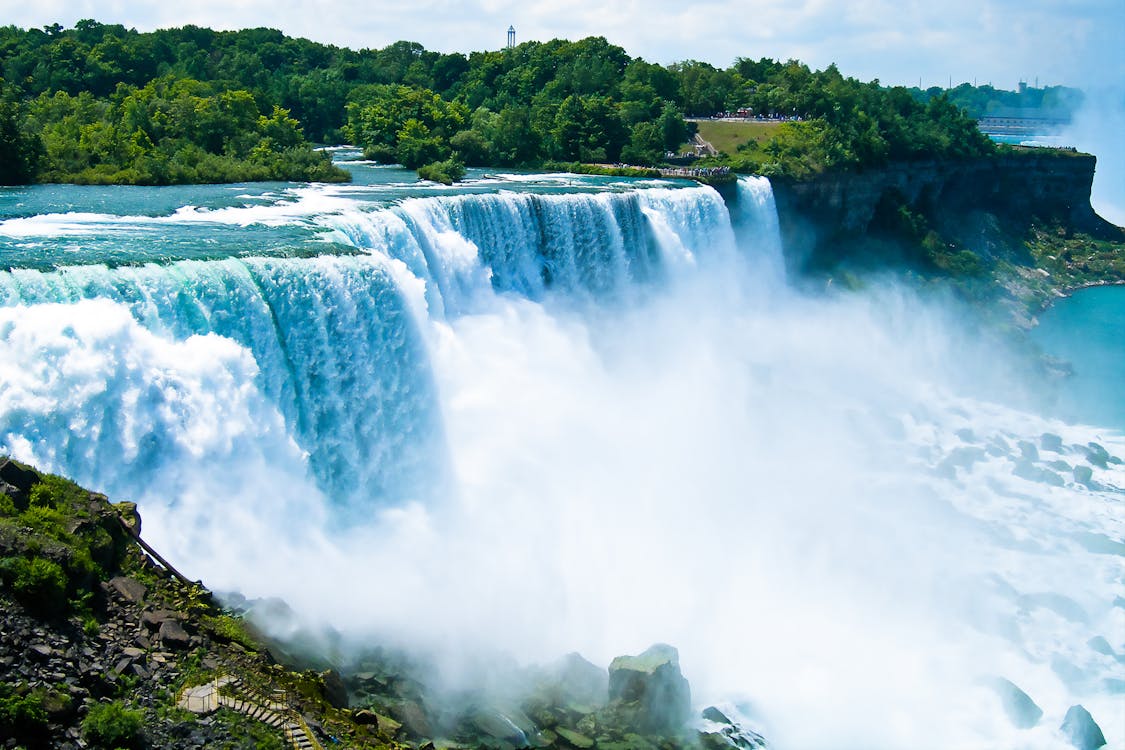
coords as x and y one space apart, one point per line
130 589
1022 711
173 635
713 714
1049 441
654 683
334 690
580 682
153 619
1097 455
1083 475
495 724
1081 729
1028 450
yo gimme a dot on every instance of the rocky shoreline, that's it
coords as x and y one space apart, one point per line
113 655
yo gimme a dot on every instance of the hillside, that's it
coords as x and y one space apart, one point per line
104 645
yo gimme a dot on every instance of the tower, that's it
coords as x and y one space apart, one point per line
511 37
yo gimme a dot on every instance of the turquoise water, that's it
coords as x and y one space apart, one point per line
1087 330
530 414
50 226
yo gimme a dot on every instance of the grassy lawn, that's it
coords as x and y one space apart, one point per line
728 136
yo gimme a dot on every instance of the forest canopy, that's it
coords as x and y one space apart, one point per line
105 104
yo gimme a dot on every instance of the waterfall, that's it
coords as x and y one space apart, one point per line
337 344
539 422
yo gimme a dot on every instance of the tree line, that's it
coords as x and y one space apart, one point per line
103 103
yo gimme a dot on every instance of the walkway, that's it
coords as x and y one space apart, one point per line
228 691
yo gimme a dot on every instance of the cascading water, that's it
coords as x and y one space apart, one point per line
536 422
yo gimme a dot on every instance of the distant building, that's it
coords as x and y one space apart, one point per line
511 37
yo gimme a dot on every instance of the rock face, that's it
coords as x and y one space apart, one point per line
1081 729
1022 711
828 219
651 687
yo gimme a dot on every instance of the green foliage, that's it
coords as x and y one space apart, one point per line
23 716
38 583
112 725
231 629
103 104
446 172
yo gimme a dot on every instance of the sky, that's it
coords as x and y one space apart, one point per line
1071 42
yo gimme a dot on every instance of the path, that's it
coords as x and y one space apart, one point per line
216 694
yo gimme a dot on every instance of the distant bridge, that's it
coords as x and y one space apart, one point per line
1009 125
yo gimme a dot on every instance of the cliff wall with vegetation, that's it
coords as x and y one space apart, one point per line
1015 227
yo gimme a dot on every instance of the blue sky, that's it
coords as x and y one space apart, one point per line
1076 42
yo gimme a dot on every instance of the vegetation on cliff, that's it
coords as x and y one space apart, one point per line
103 646
102 103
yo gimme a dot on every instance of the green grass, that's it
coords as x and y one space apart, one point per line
728 136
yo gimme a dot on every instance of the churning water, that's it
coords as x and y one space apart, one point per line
542 413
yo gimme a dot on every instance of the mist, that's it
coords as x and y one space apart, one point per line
818 499
1096 128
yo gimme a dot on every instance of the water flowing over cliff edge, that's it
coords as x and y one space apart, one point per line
542 416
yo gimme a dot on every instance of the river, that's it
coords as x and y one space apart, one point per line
540 413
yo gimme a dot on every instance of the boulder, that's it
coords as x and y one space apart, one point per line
1028 450
18 480
1081 729
334 690
1083 475
729 735
493 723
130 589
1022 711
653 687
153 619
173 635
1097 455
580 682
1049 441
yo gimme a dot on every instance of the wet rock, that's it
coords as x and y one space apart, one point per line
577 739
1101 645
713 714
1049 441
1097 455
1081 729
1021 710
1028 450
581 682
334 690
730 736
414 718
1083 475
499 726
654 687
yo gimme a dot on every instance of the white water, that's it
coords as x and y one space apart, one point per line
591 422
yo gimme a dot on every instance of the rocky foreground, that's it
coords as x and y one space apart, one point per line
103 645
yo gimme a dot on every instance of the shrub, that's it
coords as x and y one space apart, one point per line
22 716
446 172
39 583
112 725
